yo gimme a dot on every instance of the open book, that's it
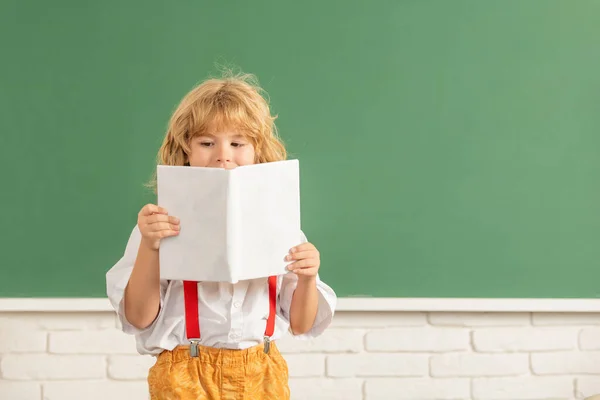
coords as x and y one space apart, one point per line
235 224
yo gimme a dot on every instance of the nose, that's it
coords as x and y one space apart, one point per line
223 154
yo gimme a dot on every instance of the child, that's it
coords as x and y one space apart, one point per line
213 340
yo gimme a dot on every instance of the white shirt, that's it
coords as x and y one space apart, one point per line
232 316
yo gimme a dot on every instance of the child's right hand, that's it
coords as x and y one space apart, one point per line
154 224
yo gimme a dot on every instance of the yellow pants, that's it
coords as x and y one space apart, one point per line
219 374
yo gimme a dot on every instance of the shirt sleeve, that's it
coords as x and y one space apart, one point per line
117 279
326 307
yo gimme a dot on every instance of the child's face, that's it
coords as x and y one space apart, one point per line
225 149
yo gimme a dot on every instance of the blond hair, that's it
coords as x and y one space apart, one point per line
233 101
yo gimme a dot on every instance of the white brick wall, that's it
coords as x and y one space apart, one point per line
363 356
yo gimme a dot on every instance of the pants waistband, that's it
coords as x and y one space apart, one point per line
218 356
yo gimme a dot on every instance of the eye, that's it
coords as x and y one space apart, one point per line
237 144
206 144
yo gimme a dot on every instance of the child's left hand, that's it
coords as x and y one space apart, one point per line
306 260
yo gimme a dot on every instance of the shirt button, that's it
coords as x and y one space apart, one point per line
237 304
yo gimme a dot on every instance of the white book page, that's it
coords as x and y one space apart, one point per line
235 224
234 233
269 217
199 198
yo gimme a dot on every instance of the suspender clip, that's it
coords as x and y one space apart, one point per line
267 344
194 351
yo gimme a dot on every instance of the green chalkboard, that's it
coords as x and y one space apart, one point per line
447 148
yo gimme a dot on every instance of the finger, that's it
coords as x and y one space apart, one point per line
303 247
162 218
163 234
154 218
162 226
302 255
309 263
307 271
150 209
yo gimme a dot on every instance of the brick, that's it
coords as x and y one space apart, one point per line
129 367
20 390
587 386
325 389
52 367
306 365
18 321
418 339
22 340
563 319
59 320
468 364
345 365
108 341
524 388
566 363
466 319
10 321
77 321
524 339
331 341
416 389
589 339
95 390
381 319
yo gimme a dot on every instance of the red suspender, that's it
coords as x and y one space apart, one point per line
272 305
192 321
